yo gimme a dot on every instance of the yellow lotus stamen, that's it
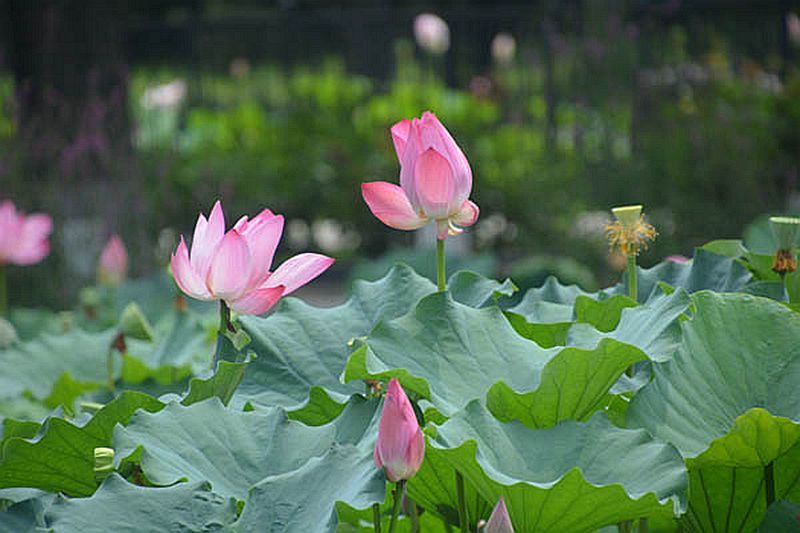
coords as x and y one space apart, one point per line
630 233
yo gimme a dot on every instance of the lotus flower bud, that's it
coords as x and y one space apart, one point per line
103 463
499 521
113 265
785 230
401 446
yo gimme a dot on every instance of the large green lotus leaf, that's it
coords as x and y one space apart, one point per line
729 402
551 291
35 366
305 499
182 341
61 459
782 516
737 352
545 334
30 323
706 271
576 476
300 346
603 314
653 327
573 385
119 506
230 448
26 515
449 353
474 290
156 296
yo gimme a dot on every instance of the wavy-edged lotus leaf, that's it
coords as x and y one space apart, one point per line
653 327
300 346
120 506
573 385
33 367
729 402
551 291
448 353
474 290
61 458
576 476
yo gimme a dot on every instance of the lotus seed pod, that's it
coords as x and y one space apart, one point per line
133 323
103 463
785 230
628 214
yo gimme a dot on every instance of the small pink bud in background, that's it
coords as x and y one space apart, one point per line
235 266
499 522
401 446
681 260
113 266
23 238
435 181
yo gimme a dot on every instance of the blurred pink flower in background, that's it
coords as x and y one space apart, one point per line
23 238
435 181
677 259
432 33
234 266
113 265
400 449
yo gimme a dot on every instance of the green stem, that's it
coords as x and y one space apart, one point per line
463 517
398 500
769 483
625 526
3 292
644 526
413 515
110 368
376 517
224 326
440 267
632 288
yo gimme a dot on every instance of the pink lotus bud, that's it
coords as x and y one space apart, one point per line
435 181
113 267
235 266
23 239
401 446
499 522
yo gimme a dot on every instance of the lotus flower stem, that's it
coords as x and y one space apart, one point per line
413 514
398 500
644 526
224 327
463 517
3 292
376 517
440 266
632 281
769 483
625 526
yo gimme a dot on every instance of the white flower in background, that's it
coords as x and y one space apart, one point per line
432 33
504 47
164 96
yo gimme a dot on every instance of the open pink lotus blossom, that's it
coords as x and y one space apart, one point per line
23 239
499 521
234 266
113 266
435 181
401 446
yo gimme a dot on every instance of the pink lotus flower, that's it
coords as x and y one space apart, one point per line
499 521
234 266
23 239
113 265
401 446
435 181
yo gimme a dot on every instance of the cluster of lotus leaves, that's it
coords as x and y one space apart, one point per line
525 395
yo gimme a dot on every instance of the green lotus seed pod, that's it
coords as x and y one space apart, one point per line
785 230
628 214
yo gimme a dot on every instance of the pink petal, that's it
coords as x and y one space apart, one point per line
258 301
390 205
435 135
399 136
10 225
229 272
186 278
299 270
114 259
435 186
467 215
31 240
207 236
443 229
413 149
400 446
263 235
499 521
